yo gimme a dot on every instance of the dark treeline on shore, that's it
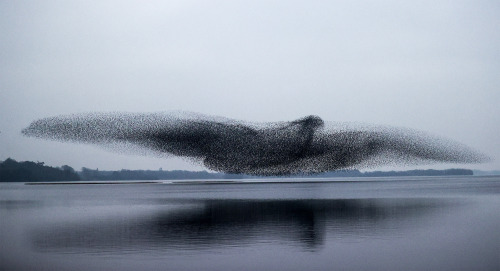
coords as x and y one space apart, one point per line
13 171
125 174
416 172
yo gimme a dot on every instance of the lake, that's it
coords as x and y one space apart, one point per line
396 223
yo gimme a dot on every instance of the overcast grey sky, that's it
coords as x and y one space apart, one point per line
428 65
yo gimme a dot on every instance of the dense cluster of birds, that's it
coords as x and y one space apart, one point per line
303 146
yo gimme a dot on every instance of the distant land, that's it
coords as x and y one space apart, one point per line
13 171
486 172
27 171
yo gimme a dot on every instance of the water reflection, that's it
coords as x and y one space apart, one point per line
208 224
18 204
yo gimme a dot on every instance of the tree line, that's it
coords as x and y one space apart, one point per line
13 171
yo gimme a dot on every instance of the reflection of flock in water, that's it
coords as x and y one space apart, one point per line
220 223
306 145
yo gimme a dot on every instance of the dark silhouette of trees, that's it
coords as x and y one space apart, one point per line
13 171
125 174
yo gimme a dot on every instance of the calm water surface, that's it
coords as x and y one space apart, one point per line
448 223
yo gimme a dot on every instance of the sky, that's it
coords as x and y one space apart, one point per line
433 66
